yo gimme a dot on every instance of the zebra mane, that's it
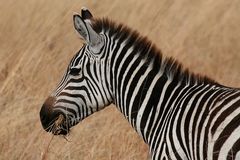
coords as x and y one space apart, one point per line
172 68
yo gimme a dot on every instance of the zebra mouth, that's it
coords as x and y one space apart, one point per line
60 126
60 131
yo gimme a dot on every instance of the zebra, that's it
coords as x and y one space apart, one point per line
179 114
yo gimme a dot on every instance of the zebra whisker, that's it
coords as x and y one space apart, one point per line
50 127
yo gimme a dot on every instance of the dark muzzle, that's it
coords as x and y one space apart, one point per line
53 121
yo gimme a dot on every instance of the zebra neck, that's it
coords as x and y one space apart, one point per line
136 77
143 81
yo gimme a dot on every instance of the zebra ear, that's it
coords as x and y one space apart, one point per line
81 27
84 28
86 14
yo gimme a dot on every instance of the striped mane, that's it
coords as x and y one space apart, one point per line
172 68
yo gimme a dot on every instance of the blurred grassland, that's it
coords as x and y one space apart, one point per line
37 41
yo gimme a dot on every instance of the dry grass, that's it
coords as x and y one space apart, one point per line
37 41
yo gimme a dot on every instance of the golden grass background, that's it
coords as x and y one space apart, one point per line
37 40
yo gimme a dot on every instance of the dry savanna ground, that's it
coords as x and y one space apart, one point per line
37 40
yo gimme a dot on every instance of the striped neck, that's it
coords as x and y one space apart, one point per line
139 73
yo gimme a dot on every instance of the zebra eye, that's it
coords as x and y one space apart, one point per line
74 71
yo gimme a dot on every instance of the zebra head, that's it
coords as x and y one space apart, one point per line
84 88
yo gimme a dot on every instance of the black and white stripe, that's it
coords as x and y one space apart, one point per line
179 114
